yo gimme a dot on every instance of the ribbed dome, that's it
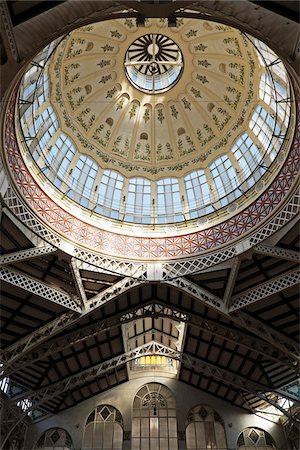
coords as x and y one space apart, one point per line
157 125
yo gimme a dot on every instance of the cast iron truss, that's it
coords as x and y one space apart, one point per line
13 361
281 342
39 397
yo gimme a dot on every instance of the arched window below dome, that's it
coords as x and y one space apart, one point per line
103 429
225 179
110 194
255 439
83 180
205 429
54 439
138 205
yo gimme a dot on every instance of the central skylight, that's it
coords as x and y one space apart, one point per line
153 63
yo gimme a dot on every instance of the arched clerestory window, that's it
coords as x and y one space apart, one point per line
55 439
255 439
103 429
154 425
205 429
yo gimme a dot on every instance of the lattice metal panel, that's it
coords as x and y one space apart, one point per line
277 252
112 292
284 344
27 254
290 210
38 288
196 291
19 349
170 269
266 289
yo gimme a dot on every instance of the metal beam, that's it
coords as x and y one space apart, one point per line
8 33
28 233
18 355
16 358
18 351
289 348
266 289
122 286
152 348
41 396
39 288
78 282
277 252
23 255
231 281
197 292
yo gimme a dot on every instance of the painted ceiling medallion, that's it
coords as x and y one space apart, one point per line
153 63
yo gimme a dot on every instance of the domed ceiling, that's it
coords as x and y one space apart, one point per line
176 136
155 134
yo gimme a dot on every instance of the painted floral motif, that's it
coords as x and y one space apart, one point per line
196 92
68 77
71 53
120 104
202 78
222 118
174 111
99 137
132 112
186 103
120 147
146 115
185 148
234 99
115 34
142 152
85 121
164 153
240 72
129 23
111 92
107 48
104 63
160 115
105 78
191 33
74 103
205 135
236 51
200 47
203 63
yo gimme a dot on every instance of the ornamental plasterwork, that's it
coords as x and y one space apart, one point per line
155 135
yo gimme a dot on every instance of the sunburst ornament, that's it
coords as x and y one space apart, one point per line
153 63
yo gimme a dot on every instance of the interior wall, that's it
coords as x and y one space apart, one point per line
121 397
